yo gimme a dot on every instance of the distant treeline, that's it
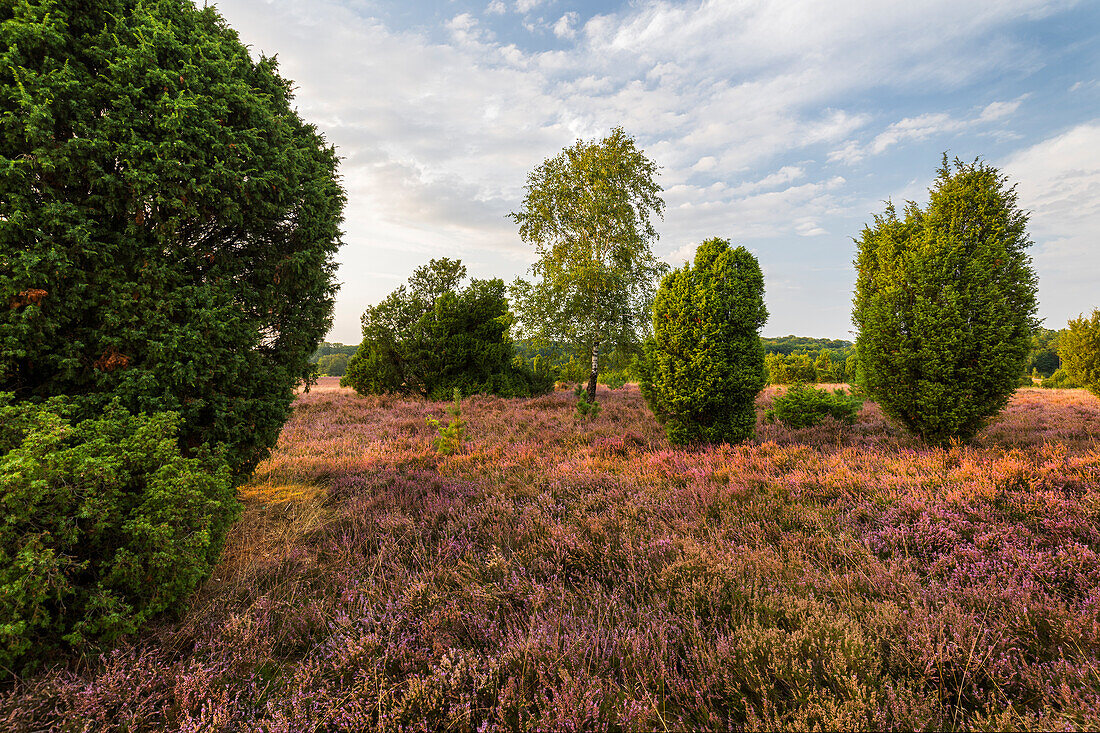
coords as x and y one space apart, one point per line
331 359
804 345
788 359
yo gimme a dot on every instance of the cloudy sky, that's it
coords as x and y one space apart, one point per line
782 125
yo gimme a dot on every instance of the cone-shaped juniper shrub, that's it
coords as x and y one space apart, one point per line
1079 349
704 364
945 304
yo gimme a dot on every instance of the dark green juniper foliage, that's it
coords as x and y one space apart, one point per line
704 364
585 410
430 338
105 525
167 222
945 304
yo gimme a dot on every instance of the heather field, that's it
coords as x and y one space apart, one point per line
566 574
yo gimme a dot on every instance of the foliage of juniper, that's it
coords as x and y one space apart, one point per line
704 364
803 406
585 410
431 337
449 437
105 525
589 214
1079 350
945 304
167 221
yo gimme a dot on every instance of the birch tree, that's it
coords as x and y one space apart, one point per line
589 214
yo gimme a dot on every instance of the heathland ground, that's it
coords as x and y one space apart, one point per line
564 573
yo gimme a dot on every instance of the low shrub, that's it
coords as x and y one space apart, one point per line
585 409
448 439
804 406
1060 380
105 525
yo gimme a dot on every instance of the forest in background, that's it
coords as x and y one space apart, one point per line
788 359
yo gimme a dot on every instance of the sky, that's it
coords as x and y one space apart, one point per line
781 125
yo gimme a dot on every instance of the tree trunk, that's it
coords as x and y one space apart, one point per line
594 373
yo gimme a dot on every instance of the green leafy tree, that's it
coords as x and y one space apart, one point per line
804 345
1079 348
327 348
823 367
1043 359
430 337
1060 380
167 221
704 363
791 368
775 366
589 214
333 365
945 304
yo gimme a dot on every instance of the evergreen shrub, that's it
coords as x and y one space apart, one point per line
105 525
804 406
168 223
945 305
704 364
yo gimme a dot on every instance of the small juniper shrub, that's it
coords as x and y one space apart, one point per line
585 409
449 438
614 379
804 406
1060 380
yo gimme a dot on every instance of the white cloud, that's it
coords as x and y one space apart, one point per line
465 30
566 27
809 228
733 100
924 126
1058 181
915 128
997 110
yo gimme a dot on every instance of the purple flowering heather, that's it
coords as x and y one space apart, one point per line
567 575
